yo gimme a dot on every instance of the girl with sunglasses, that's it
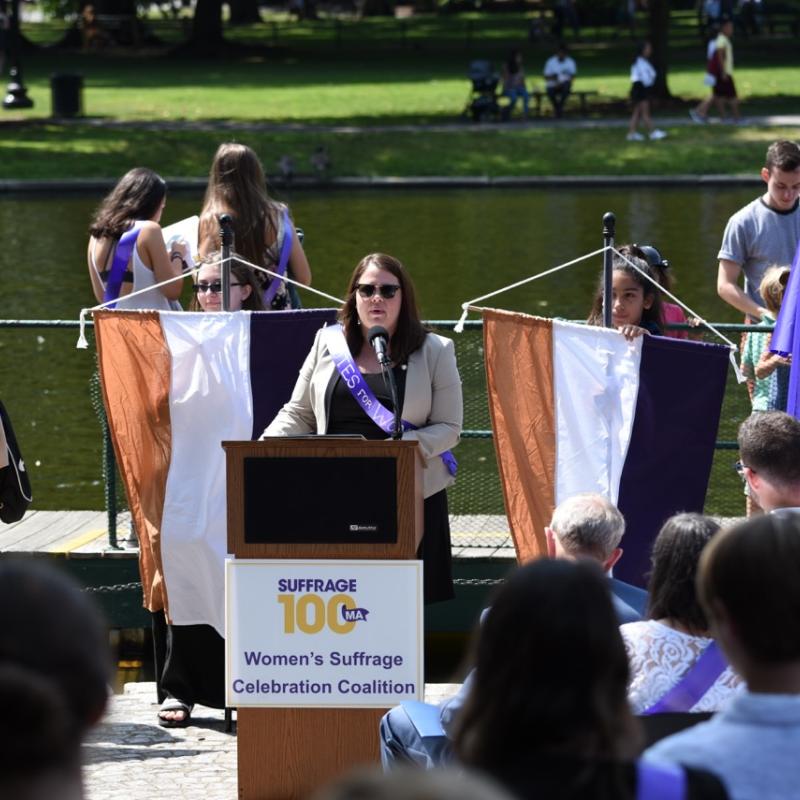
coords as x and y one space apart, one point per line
245 288
380 293
264 232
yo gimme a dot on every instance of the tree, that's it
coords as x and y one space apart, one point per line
207 24
659 17
244 12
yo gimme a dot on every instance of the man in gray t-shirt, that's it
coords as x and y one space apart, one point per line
763 233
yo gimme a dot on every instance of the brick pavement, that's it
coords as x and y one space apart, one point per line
128 756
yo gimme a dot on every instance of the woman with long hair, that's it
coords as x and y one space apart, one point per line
126 247
264 232
547 713
663 648
380 293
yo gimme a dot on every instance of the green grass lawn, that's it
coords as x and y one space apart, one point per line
57 151
377 72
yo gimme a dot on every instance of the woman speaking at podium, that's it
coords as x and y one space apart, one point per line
380 316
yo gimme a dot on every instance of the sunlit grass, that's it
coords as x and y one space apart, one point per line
57 151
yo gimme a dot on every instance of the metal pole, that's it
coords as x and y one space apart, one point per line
16 93
609 225
111 487
226 235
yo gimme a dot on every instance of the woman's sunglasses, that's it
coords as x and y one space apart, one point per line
386 290
214 288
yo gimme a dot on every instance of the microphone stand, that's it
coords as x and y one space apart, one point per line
226 236
388 375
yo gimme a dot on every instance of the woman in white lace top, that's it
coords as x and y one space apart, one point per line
663 648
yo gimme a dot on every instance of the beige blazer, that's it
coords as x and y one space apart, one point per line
432 402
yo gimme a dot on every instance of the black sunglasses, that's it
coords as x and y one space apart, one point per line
740 468
386 290
214 288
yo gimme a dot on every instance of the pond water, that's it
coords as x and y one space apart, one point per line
457 244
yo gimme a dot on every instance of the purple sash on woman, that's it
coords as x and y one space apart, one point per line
283 259
694 684
122 255
363 395
660 781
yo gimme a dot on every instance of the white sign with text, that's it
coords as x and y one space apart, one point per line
323 634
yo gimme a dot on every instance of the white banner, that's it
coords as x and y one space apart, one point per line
323 634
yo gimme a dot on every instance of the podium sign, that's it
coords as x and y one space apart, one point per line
327 633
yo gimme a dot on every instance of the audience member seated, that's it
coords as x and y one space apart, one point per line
514 83
590 526
666 649
585 526
55 668
413 784
769 449
559 72
749 586
547 712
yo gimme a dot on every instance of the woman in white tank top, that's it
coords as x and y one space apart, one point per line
137 201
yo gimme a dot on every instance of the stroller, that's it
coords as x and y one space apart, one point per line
482 101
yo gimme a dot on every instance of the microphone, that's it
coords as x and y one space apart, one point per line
378 337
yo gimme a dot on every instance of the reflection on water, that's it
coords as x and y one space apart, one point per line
458 244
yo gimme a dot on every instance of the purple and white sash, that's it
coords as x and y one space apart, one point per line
283 258
122 255
363 395
660 781
702 675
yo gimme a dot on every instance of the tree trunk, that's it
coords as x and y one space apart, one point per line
207 24
659 38
244 12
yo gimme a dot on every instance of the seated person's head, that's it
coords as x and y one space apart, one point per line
769 449
246 290
675 558
550 675
586 526
749 585
56 668
412 784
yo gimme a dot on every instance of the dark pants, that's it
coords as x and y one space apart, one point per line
558 96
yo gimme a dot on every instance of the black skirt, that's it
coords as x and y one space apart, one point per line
189 662
639 92
434 550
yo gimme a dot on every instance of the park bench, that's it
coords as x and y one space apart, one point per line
781 16
582 96
123 28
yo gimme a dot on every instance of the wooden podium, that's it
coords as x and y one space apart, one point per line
289 752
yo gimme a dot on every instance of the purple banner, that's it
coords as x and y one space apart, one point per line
279 344
786 336
668 464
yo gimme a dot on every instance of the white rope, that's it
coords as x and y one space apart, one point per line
83 343
734 348
466 306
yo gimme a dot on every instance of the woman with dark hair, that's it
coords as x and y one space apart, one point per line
126 247
663 648
547 712
380 293
643 77
264 233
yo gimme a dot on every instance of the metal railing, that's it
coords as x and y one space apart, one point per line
477 492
